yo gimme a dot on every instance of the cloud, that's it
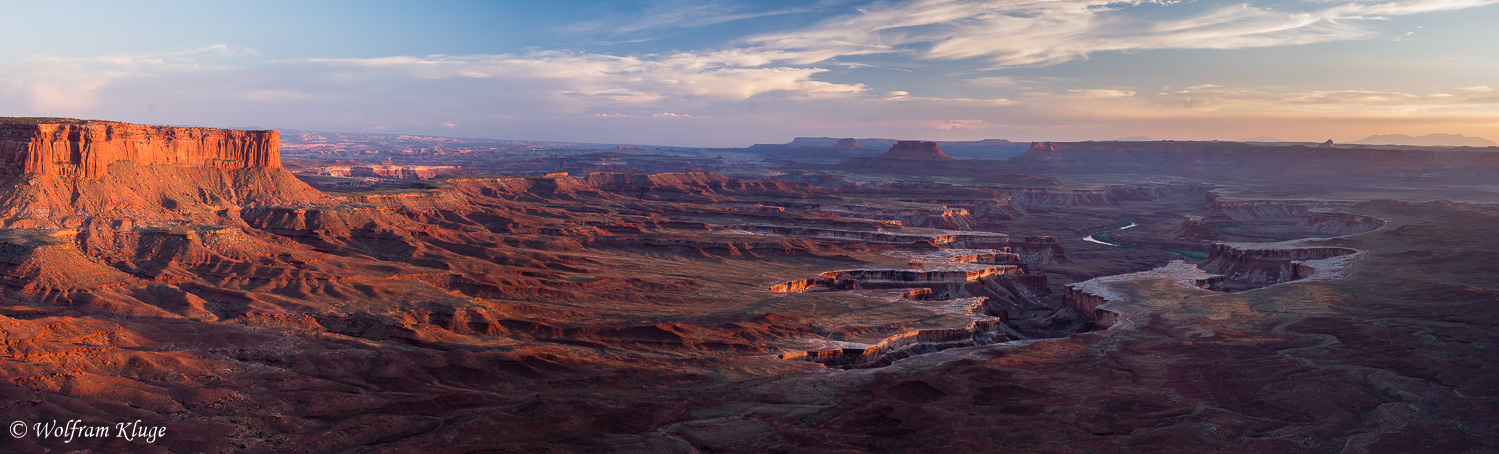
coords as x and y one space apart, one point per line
72 86
661 15
769 83
1098 93
1336 102
965 125
654 115
610 80
1012 33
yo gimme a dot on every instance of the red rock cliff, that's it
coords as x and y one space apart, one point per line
915 150
85 149
848 144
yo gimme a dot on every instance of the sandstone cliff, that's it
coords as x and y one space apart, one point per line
913 150
88 174
1097 301
85 149
1194 228
847 144
911 343
1104 195
906 156
1339 224
1268 263
1041 151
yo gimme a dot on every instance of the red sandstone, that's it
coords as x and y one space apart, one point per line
86 149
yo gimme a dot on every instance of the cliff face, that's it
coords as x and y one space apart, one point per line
86 149
1248 210
1091 296
1040 250
1041 151
849 143
1340 224
686 186
1194 228
1267 263
980 332
913 150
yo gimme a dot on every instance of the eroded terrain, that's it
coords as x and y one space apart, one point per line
773 311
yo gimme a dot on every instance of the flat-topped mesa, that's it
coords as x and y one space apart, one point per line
86 148
1043 151
848 144
915 150
1194 228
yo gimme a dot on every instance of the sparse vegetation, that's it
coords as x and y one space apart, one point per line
42 120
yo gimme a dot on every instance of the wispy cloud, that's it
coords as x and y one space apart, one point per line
1217 98
893 68
1012 33
625 80
56 85
669 14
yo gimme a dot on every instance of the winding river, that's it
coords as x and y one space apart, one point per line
1091 236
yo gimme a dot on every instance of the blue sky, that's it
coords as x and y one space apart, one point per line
729 73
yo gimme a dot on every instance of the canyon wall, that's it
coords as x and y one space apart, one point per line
1091 296
995 208
391 172
85 149
980 332
1088 304
991 258
887 278
1040 250
1193 228
1340 224
1267 263
1253 209
872 278
689 186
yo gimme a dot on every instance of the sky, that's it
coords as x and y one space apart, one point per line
734 73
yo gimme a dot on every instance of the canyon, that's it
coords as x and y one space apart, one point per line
550 298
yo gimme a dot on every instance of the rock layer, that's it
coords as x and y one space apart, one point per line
1093 298
1193 228
1267 263
914 150
1340 224
85 149
980 332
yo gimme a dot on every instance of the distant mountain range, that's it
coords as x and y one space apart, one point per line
1441 140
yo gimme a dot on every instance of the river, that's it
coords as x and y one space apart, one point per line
1091 238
